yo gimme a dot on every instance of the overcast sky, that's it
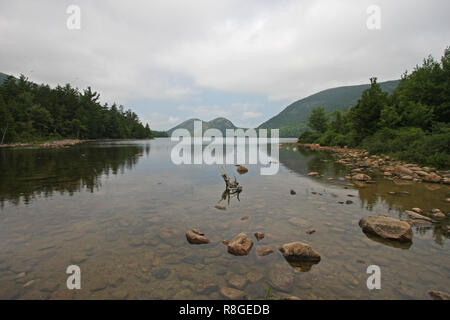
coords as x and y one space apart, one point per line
244 60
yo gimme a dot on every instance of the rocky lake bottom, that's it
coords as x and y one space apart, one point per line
120 211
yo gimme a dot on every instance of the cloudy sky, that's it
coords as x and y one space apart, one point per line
244 60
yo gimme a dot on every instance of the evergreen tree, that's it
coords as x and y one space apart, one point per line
318 120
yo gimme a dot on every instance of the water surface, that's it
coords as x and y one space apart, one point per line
120 210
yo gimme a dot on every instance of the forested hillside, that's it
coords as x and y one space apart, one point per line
412 123
32 112
294 118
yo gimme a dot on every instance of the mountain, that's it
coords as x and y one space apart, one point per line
219 123
294 118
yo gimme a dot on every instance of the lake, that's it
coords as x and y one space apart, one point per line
120 210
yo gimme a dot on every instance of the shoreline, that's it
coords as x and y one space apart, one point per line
47 144
63 143
362 165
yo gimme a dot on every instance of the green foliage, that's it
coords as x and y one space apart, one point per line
318 120
366 114
296 114
413 123
159 134
309 137
31 112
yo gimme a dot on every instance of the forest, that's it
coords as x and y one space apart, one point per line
412 123
30 112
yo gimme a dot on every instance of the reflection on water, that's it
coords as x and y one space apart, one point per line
120 210
29 172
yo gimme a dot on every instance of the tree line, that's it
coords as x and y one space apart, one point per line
412 123
31 112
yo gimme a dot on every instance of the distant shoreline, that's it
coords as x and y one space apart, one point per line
63 143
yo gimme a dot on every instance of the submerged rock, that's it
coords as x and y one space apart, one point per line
438 295
361 177
415 215
387 228
237 281
259 236
240 245
281 278
299 251
232 294
219 207
196 237
293 192
262 251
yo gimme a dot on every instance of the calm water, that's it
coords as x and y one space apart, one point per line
122 218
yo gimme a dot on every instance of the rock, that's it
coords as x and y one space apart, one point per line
421 173
237 281
291 298
417 210
299 251
387 228
225 242
29 284
293 192
348 202
313 174
97 284
300 222
438 295
432 177
195 237
361 177
78 258
406 178
414 215
232 294
403 171
242 169
446 181
253 276
447 200
281 279
20 276
310 231
240 245
439 215
161 273
220 207
244 218
259 236
387 174
204 286
262 251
